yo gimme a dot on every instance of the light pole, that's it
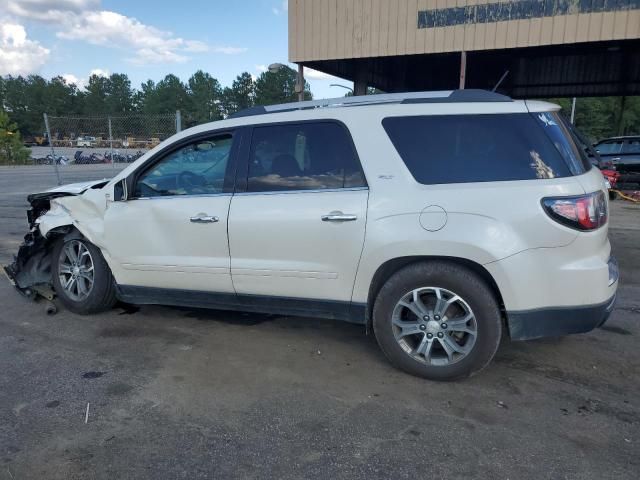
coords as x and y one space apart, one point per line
276 67
341 86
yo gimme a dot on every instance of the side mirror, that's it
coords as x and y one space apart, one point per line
120 191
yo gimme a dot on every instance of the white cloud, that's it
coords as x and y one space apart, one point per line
284 8
229 50
99 72
18 54
83 20
317 75
261 68
49 10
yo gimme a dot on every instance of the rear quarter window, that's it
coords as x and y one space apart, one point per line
442 149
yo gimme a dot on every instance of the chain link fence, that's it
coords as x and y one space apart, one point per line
77 142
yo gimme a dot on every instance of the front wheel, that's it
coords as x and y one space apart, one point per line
81 277
437 320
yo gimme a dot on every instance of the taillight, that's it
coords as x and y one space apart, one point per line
584 212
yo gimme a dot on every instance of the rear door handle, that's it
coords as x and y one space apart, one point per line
204 219
338 216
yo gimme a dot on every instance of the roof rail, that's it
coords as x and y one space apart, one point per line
443 96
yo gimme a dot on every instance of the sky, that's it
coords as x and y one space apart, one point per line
147 39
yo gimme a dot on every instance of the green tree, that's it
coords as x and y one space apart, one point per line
279 87
119 94
11 148
205 94
167 96
96 92
240 95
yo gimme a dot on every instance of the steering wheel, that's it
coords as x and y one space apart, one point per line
188 180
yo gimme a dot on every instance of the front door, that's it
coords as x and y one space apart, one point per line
172 231
298 229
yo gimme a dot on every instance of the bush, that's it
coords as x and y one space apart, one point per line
12 151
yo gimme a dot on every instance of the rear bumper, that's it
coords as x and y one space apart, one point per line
556 322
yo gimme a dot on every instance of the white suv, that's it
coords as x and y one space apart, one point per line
443 220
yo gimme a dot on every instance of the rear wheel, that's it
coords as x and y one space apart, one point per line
437 320
81 276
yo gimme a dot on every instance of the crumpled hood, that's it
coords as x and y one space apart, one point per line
76 188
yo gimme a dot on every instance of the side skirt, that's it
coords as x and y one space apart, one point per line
336 310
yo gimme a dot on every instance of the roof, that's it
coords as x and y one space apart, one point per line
444 96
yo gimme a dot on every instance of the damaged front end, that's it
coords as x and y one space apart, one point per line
30 271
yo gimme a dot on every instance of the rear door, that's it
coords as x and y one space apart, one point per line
296 228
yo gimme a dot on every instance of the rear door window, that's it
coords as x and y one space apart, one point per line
609 148
632 147
303 156
441 149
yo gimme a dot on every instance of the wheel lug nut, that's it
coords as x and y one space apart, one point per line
443 325
429 335
423 327
426 318
440 335
436 317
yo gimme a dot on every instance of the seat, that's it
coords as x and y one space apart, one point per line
285 165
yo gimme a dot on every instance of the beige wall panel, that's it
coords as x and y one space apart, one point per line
325 29
323 41
633 24
535 29
570 29
431 32
411 26
401 34
375 26
292 38
595 27
582 31
523 32
469 31
449 33
607 26
501 34
619 25
512 34
546 30
490 35
421 38
341 27
557 34
332 20
357 21
392 44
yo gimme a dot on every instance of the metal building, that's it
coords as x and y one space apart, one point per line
539 48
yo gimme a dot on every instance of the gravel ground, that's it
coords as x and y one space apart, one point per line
187 393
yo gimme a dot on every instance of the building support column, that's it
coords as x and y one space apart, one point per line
300 83
463 69
360 83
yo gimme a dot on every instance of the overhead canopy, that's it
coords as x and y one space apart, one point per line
549 47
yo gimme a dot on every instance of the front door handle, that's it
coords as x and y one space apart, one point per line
204 219
337 216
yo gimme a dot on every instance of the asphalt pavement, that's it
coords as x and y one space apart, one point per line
185 393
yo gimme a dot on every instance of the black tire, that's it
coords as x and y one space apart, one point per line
454 278
613 195
102 295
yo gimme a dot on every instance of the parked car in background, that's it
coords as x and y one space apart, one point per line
441 221
88 142
606 167
622 152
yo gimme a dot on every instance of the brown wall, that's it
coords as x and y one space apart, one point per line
335 29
